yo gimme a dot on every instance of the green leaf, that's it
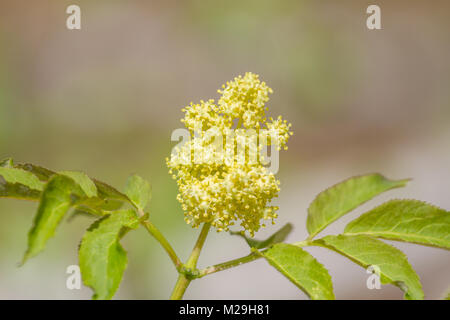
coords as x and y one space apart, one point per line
367 251
302 269
101 205
43 174
405 220
85 183
105 191
26 181
102 258
7 163
107 199
18 191
447 295
138 191
55 202
277 237
17 183
342 198
19 176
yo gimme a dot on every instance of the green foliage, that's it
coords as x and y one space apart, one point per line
19 176
301 269
405 220
107 192
55 202
85 183
342 198
138 191
102 258
43 174
18 191
392 263
277 237
11 188
18 183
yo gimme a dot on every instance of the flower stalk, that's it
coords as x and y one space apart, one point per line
184 278
164 243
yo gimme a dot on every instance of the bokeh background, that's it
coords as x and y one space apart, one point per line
105 99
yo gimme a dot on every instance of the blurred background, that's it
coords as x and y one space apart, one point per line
105 99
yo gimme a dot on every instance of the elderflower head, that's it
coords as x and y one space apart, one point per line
217 183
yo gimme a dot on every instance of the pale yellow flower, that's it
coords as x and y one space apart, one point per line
214 187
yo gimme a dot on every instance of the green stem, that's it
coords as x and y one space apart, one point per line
180 287
164 243
237 262
229 264
183 279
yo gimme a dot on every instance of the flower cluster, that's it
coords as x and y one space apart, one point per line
215 186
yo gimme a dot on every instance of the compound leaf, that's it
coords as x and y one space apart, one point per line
392 264
302 269
102 258
405 220
342 198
